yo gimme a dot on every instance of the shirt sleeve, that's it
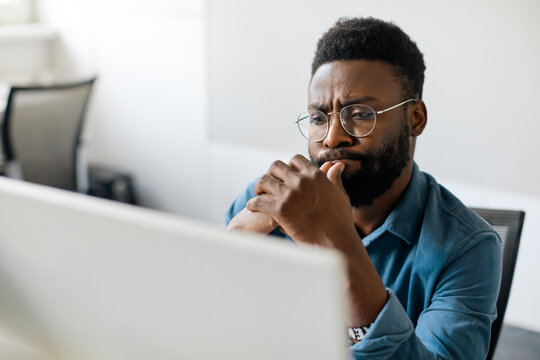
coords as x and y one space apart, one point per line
240 203
456 324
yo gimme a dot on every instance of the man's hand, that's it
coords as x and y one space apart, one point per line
311 206
308 203
247 220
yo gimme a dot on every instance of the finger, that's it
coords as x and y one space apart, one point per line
334 174
268 184
300 163
325 167
281 171
261 203
252 221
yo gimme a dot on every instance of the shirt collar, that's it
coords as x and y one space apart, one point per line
405 221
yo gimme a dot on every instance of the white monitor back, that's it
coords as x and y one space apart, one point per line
84 278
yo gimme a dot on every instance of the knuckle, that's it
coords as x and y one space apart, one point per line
260 201
277 164
281 187
264 178
294 182
255 202
258 188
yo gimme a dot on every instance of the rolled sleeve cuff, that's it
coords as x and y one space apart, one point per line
391 328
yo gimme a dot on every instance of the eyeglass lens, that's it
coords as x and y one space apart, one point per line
357 120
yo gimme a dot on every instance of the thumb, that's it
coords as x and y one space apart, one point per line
334 174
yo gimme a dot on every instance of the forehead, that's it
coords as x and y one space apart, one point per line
353 79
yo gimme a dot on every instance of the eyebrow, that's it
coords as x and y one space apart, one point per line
322 106
358 100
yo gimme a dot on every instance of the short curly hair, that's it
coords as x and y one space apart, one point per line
373 39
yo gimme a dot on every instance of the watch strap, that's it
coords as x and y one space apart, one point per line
357 334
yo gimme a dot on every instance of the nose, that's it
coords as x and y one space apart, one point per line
337 136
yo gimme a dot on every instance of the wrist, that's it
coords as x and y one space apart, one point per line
357 334
345 239
366 290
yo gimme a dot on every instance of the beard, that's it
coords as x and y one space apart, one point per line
379 168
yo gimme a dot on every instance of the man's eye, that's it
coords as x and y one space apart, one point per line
317 119
361 116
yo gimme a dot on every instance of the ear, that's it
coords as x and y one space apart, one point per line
418 120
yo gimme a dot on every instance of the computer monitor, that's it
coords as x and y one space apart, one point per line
87 278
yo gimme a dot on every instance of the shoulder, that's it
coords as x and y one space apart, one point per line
450 226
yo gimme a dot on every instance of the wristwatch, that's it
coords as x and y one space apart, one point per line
357 334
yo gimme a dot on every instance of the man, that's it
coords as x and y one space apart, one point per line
423 270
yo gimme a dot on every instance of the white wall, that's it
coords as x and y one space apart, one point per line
149 115
482 78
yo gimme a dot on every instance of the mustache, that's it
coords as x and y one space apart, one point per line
335 154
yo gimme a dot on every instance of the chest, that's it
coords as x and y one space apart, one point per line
410 272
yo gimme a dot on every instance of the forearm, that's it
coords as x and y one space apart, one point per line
251 221
366 291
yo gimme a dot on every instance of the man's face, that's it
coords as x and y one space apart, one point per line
375 161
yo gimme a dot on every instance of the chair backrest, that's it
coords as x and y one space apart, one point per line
508 223
41 131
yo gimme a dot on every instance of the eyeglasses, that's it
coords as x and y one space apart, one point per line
357 120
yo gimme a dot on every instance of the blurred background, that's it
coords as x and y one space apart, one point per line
194 99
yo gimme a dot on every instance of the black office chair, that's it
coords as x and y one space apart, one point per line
41 134
508 223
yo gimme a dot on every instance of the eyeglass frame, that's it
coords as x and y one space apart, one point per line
341 121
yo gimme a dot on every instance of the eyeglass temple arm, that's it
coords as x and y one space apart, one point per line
395 106
297 121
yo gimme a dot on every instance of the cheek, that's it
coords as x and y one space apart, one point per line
313 149
386 132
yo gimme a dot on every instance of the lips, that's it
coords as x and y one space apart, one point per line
344 160
333 161
334 158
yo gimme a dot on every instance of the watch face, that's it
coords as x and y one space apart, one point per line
358 334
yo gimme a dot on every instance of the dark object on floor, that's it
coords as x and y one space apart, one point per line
111 184
516 343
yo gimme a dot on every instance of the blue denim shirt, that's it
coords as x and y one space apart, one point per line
441 264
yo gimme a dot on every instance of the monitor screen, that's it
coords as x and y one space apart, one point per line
86 278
